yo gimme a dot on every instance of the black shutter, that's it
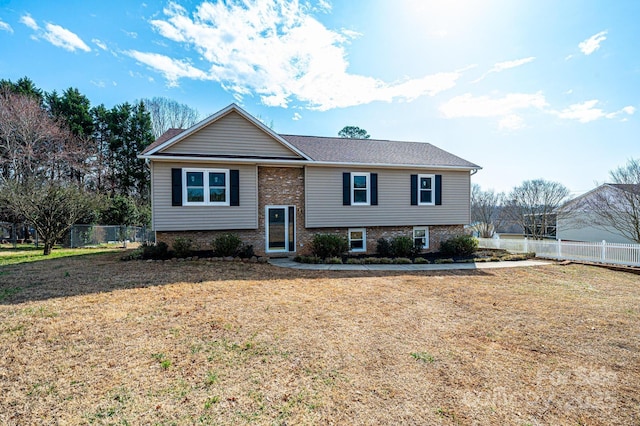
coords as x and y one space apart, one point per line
438 190
374 189
234 187
414 190
176 187
292 229
346 189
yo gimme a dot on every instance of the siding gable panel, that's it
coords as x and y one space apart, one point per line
231 135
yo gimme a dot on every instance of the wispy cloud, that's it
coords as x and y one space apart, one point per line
56 35
29 22
172 69
279 51
61 37
592 44
296 116
587 111
505 109
5 27
501 66
99 43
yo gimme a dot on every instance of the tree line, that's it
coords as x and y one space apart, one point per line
535 205
64 161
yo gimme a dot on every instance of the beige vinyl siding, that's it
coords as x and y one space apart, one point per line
324 207
199 218
231 135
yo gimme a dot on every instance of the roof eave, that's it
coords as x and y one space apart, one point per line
304 162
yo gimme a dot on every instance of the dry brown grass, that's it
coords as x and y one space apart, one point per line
96 340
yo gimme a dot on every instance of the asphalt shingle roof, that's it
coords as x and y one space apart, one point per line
360 151
374 151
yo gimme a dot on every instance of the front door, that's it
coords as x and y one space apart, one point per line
280 228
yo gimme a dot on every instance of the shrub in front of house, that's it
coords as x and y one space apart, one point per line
383 248
156 251
402 261
462 245
329 245
334 260
421 260
403 246
227 245
182 247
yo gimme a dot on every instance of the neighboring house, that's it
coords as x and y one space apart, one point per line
577 221
231 173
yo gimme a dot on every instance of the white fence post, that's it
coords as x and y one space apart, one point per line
526 245
604 250
559 248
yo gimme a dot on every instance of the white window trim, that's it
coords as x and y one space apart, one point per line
426 235
205 182
364 240
433 189
353 189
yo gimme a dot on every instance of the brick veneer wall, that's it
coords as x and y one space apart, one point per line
285 186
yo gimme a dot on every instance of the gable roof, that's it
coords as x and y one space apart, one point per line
375 152
327 150
173 136
626 187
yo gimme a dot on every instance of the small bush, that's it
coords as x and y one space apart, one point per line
354 261
371 260
334 260
329 245
462 245
440 261
246 251
402 260
402 247
154 251
308 259
385 261
383 248
182 247
420 260
226 245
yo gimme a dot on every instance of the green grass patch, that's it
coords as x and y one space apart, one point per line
31 254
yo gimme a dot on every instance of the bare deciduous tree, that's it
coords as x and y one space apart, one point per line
533 206
169 114
51 207
486 214
32 144
616 206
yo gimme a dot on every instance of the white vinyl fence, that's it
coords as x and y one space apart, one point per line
619 254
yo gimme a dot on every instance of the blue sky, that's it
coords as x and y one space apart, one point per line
527 89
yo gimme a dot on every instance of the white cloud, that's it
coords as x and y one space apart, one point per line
586 112
501 66
592 44
56 35
296 116
5 27
64 38
279 52
29 22
99 43
504 109
172 69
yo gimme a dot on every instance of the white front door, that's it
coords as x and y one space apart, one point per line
280 229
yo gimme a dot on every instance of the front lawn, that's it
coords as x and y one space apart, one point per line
93 340
29 253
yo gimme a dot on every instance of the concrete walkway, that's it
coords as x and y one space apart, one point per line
288 263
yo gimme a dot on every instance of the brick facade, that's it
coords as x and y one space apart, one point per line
284 186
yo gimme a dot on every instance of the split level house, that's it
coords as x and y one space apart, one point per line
232 174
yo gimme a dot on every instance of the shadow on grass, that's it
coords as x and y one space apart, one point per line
105 272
